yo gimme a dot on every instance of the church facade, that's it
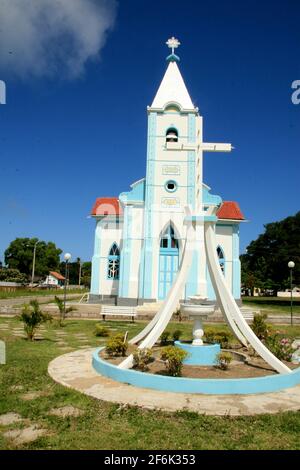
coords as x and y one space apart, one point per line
139 236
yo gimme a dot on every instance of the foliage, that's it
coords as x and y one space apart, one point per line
267 257
176 335
223 360
19 255
61 307
173 358
116 346
280 347
141 359
164 338
32 317
74 268
101 330
12 275
259 326
217 336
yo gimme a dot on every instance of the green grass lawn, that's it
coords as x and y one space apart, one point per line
39 293
108 426
272 305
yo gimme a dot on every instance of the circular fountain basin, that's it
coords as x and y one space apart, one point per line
266 384
205 355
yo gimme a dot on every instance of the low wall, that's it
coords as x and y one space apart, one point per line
269 383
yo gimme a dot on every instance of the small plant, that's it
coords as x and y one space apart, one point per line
101 330
32 318
223 360
281 347
176 335
177 314
259 326
61 307
173 358
116 345
164 337
141 359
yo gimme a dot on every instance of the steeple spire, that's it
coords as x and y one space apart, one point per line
172 88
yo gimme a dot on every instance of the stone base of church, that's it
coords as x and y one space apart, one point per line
131 302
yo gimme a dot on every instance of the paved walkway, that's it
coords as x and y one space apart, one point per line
75 370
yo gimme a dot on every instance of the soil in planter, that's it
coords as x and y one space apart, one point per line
256 367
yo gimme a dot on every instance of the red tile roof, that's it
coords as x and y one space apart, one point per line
57 275
107 206
111 206
230 210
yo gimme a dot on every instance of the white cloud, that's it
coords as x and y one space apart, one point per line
52 37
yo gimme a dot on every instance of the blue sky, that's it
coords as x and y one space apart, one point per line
67 138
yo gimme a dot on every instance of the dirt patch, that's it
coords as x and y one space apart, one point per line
23 436
66 411
10 418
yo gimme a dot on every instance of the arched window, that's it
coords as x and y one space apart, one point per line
113 270
171 135
221 257
168 239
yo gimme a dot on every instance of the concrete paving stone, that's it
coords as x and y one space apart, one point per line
26 435
66 411
75 370
16 388
34 394
10 418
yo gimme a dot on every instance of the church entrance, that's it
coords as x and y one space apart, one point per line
168 261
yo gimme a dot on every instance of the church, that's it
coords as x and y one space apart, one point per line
140 235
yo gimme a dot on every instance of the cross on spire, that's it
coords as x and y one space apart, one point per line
173 43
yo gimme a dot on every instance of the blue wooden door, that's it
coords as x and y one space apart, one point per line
168 262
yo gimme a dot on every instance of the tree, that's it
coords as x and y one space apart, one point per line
12 275
19 255
267 257
74 272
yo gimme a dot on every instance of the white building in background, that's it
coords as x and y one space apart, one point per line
139 236
54 279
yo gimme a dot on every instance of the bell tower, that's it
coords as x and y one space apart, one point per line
173 178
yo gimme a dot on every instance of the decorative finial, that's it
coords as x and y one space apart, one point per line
173 43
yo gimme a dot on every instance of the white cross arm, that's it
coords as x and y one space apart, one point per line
211 147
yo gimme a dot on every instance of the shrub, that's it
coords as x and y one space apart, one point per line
223 360
141 359
101 330
280 347
32 317
259 326
164 338
116 346
217 336
209 334
173 358
176 335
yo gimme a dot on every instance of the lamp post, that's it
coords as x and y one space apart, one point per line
67 258
291 265
33 262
